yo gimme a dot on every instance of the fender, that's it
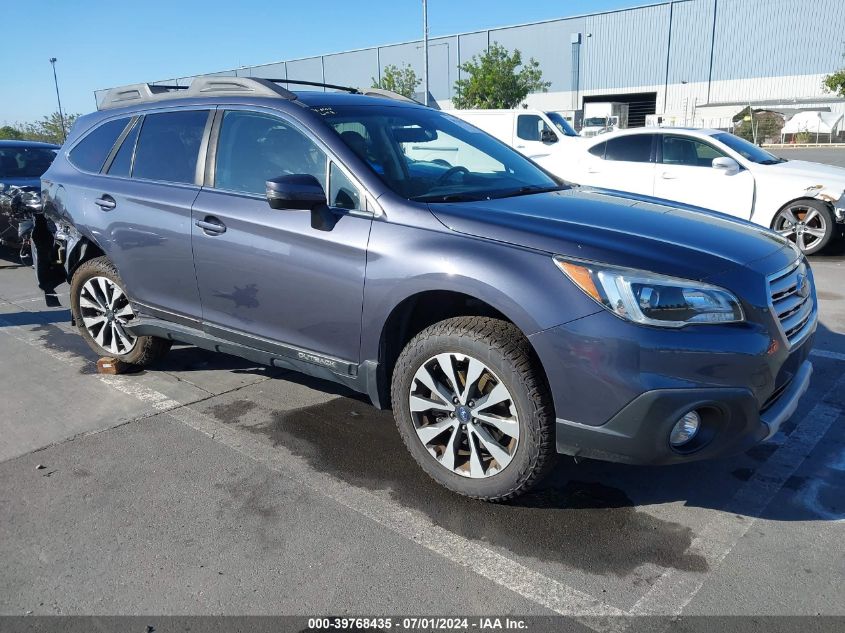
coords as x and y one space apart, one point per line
463 264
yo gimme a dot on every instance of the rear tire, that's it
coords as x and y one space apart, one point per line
807 223
489 432
101 310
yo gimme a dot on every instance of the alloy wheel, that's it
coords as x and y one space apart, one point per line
464 415
802 224
106 312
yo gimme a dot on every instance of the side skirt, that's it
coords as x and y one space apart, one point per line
266 352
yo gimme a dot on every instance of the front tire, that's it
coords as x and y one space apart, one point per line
807 223
102 312
474 409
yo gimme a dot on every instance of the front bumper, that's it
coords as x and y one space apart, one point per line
639 433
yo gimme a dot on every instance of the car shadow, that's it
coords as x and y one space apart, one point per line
583 502
26 317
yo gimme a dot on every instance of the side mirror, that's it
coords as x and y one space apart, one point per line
297 191
727 165
547 136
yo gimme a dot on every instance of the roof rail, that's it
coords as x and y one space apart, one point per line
300 82
227 87
370 92
201 86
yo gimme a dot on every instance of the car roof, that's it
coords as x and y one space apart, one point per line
688 131
23 143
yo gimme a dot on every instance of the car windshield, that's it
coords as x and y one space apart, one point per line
561 124
429 156
25 162
748 150
595 122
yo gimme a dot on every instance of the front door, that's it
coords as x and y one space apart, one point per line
685 173
267 276
528 138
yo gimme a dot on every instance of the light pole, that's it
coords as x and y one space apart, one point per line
425 52
59 99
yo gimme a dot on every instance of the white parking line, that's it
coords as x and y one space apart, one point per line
675 589
823 353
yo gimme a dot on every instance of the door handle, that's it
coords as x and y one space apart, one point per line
105 202
520 147
211 226
667 176
592 170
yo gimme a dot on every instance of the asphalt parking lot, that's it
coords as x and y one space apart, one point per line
210 485
829 155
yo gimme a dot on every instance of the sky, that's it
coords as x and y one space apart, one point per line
101 44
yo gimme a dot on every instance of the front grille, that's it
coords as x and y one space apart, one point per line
791 295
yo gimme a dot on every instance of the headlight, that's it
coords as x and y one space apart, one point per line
652 299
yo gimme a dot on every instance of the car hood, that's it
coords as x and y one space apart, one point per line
814 173
617 228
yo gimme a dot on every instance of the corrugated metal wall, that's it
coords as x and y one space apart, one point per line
652 47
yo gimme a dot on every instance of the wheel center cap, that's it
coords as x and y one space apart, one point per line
463 413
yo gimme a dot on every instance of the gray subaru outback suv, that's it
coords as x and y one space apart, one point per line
367 240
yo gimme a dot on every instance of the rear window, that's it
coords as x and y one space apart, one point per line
168 146
25 162
633 149
91 152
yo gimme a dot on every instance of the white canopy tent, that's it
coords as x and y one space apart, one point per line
818 123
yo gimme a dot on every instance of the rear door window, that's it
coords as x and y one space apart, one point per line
635 148
168 146
122 163
91 152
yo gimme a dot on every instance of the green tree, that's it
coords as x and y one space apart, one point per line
49 128
10 132
403 81
763 126
498 79
835 83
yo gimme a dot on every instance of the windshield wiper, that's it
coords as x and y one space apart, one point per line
773 161
530 190
453 197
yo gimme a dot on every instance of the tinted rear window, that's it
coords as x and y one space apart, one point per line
25 162
91 152
168 146
122 163
635 148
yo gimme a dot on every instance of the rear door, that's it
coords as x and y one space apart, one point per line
625 163
267 277
685 173
145 199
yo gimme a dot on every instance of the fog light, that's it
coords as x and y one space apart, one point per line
685 429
